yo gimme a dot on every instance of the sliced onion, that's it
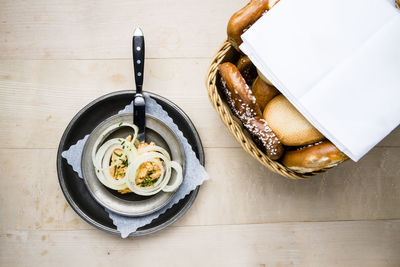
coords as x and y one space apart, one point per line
101 157
102 171
179 178
112 129
133 168
154 149
106 164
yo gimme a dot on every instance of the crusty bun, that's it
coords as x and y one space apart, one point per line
244 18
243 103
288 124
263 92
263 77
247 69
313 157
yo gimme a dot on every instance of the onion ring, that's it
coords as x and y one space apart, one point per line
102 155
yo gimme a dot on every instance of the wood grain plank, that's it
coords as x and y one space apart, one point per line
357 243
243 191
244 216
240 191
40 97
102 29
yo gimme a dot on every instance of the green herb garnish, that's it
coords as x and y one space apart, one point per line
124 162
148 182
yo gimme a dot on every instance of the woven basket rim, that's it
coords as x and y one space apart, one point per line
235 127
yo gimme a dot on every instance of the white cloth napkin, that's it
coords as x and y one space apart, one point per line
338 63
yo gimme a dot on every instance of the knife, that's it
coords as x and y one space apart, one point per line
139 103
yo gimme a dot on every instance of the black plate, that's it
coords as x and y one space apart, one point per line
83 123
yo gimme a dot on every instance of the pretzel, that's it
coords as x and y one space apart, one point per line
243 104
245 17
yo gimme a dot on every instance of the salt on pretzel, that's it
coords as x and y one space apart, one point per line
244 105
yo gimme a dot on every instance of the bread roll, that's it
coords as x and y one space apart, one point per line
263 77
313 157
263 92
243 103
288 124
244 18
247 69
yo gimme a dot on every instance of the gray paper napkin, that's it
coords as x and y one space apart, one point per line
195 173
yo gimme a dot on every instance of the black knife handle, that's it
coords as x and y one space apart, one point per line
138 58
139 115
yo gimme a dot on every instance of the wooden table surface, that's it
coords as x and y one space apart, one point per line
56 56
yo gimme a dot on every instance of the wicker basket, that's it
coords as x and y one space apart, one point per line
228 54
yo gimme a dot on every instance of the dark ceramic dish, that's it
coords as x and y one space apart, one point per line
84 123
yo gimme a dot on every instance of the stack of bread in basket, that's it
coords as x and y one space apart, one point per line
292 146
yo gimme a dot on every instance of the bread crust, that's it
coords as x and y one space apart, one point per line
313 157
238 92
263 92
244 105
263 77
288 124
243 19
247 69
